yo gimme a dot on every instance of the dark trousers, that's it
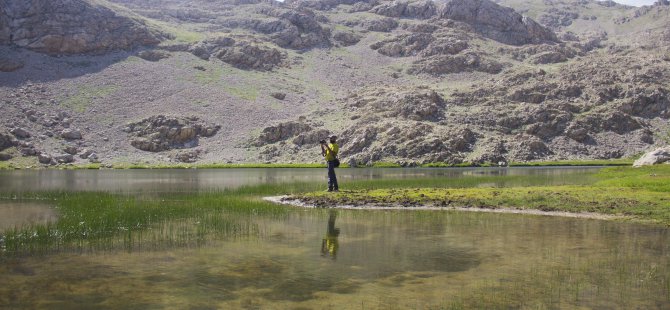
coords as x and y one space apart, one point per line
332 178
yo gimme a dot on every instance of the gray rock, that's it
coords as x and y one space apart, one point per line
6 141
161 133
71 27
278 95
86 153
5 157
657 156
153 55
312 137
380 25
70 149
44 158
20 133
71 134
496 22
10 64
64 159
280 132
346 38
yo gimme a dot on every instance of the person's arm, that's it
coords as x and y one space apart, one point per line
323 151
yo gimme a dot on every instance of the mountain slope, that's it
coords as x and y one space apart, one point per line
409 82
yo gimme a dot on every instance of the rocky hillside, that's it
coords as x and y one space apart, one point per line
59 27
455 81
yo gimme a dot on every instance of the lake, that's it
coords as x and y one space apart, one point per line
244 253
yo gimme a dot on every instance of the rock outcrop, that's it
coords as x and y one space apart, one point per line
239 54
161 133
657 156
498 23
71 27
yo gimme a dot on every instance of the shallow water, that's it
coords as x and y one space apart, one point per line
325 259
17 214
190 180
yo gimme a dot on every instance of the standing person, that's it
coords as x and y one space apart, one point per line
329 151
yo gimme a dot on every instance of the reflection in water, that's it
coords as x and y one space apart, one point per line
14 214
329 244
193 180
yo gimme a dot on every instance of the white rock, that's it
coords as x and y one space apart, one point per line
654 157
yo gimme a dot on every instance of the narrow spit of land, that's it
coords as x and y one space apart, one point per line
638 194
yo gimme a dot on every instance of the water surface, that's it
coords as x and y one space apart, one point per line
347 259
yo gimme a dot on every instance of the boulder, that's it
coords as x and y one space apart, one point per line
311 138
657 156
278 95
64 159
70 149
280 132
10 64
86 153
6 141
346 38
249 56
161 133
380 25
44 158
20 133
71 134
5 157
153 55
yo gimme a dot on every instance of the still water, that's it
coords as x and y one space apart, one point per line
191 180
353 259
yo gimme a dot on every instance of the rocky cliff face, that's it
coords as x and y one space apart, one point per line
70 27
498 23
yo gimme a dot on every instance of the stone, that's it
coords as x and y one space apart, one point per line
5 157
70 149
278 95
64 159
44 158
10 64
153 55
71 134
657 156
20 133
160 133
346 38
86 153
281 132
6 141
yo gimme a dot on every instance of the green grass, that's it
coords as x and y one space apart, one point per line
85 96
604 162
641 194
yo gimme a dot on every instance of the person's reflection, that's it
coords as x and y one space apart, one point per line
329 244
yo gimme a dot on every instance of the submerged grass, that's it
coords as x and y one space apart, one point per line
639 193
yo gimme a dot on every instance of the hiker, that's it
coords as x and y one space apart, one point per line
329 151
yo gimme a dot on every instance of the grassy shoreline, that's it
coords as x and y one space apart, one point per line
122 166
639 194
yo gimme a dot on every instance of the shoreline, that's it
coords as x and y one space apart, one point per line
287 200
558 164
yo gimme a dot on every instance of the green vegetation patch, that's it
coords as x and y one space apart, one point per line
642 194
85 96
